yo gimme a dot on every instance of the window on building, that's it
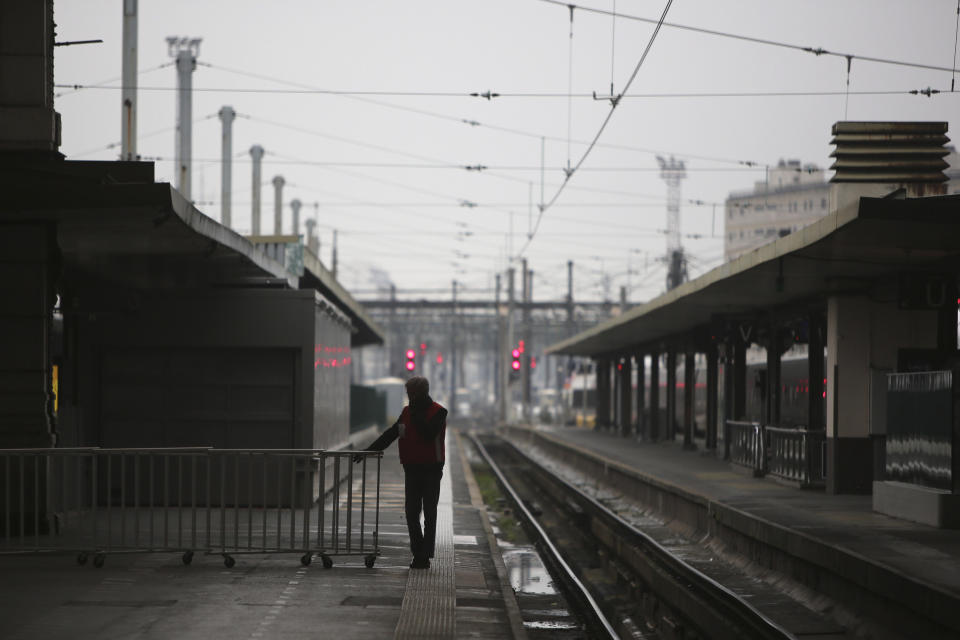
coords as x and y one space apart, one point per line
823 203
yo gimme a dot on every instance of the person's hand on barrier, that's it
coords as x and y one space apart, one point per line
357 458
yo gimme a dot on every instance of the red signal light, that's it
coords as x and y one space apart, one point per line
533 363
410 353
516 365
520 346
439 359
423 346
516 353
410 365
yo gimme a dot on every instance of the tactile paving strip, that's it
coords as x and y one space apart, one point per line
429 602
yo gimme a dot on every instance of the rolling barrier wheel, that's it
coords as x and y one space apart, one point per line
370 560
82 558
228 561
306 559
327 561
98 560
187 557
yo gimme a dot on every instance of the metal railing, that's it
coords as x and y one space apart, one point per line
747 445
92 501
795 455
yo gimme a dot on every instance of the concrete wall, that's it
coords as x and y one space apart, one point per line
27 269
245 331
863 336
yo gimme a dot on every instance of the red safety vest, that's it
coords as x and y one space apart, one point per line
413 448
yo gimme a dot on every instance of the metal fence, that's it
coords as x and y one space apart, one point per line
795 455
93 502
747 445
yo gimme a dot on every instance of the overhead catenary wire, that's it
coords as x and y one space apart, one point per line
476 123
141 72
817 51
613 107
928 92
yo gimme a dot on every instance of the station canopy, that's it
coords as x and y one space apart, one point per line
115 224
845 252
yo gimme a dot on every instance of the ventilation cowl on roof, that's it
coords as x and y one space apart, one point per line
905 153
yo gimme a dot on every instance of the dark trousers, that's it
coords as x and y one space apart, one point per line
422 492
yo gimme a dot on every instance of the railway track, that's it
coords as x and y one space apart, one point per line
621 580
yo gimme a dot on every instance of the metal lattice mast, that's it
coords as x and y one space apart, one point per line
673 172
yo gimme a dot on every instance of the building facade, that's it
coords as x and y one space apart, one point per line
792 196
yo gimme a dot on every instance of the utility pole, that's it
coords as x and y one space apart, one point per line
128 95
504 374
393 349
185 50
333 256
499 349
528 348
227 115
453 353
256 155
524 331
569 324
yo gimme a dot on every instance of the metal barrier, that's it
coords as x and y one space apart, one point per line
747 445
92 501
796 455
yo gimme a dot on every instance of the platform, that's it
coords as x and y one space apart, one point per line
906 562
273 596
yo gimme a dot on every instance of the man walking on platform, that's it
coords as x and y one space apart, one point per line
421 429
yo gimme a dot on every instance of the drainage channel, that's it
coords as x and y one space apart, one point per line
556 553
547 612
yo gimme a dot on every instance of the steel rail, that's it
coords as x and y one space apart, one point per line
715 593
582 593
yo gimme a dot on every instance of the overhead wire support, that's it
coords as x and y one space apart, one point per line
569 90
613 107
70 43
956 31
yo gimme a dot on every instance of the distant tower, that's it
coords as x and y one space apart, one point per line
185 50
673 172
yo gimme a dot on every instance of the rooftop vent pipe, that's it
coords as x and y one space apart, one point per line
256 154
128 95
227 114
312 242
295 206
185 51
278 183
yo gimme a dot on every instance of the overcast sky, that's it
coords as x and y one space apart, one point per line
344 155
